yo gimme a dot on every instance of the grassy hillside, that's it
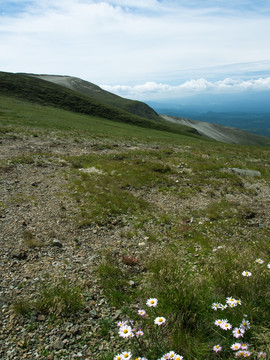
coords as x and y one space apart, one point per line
46 93
139 213
95 92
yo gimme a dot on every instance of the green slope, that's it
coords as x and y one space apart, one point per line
95 92
46 93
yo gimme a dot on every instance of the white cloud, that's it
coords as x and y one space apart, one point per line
151 90
130 41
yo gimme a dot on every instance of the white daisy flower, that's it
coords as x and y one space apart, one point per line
159 320
126 355
218 322
259 261
215 306
142 312
152 302
268 266
118 357
262 355
223 307
170 355
246 273
238 332
217 348
239 353
178 357
244 346
247 353
121 323
139 333
125 331
245 324
164 357
225 325
236 346
230 300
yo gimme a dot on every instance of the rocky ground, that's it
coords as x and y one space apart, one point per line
40 237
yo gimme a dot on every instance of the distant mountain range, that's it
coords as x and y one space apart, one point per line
81 96
249 111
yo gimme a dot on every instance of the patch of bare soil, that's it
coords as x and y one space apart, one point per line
40 237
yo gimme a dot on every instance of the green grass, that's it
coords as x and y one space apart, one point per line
35 118
196 249
42 92
95 92
56 296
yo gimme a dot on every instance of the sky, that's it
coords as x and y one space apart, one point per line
141 49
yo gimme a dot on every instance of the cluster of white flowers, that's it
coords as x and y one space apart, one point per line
259 261
171 356
127 330
241 349
243 353
223 324
125 355
128 355
230 301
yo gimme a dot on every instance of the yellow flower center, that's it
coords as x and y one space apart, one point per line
125 331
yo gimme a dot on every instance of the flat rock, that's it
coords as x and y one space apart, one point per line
245 172
91 170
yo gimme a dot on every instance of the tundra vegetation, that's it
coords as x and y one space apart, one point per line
197 234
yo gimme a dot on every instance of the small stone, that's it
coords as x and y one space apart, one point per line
245 172
19 254
58 344
75 330
117 314
57 243
93 314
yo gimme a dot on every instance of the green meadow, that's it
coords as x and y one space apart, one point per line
201 227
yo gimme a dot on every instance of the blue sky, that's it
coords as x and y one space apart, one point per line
141 48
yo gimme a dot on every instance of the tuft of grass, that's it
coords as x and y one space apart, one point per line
113 282
188 283
59 297
56 296
30 241
22 306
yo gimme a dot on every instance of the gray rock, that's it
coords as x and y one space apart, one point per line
58 344
93 314
245 172
19 254
57 243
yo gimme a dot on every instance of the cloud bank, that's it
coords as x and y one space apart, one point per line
131 41
150 90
